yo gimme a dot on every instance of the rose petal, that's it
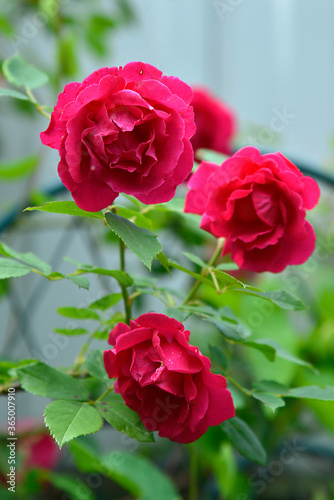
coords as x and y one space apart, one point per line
138 71
119 329
197 197
175 357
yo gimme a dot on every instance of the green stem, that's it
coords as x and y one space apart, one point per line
110 389
127 302
236 384
81 356
193 470
205 271
38 106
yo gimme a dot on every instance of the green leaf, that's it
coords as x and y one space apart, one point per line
197 276
95 366
270 386
106 302
86 459
66 208
270 400
109 324
177 314
69 419
312 392
28 258
10 268
4 287
20 73
144 282
195 259
128 469
76 490
77 313
282 298
122 277
7 366
139 476
71 331
244 440
230 282
282 353
174 205
228 266
125 420
67 54
136 203
97 31
285 300
232 331
80 281
13 93
140 241
267 350
223 319
12 170
136 217
102 334
163 259
6 26
218 354
42 380
127 14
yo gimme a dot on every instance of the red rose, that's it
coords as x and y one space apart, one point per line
257 202
40 451
36 447
123 130
215 123
166 380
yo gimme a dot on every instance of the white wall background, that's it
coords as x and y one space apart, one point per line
259 55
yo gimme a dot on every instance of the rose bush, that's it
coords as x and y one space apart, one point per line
123 130
258 203
215 122
166 380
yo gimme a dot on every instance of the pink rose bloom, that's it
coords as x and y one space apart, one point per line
166 380
258 203
215 123
123 130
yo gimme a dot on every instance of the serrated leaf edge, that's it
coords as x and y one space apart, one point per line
62 442
127 422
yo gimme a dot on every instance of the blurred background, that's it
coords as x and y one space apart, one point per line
272 63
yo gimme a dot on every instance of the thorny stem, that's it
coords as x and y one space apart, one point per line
206 270
127 302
